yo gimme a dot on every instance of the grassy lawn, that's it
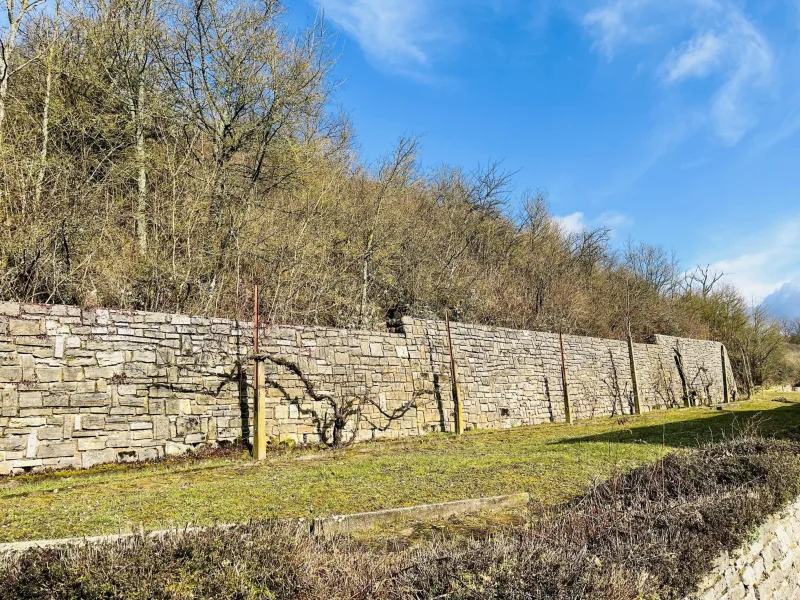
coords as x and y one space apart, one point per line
552 462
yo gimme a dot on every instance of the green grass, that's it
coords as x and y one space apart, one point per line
552 462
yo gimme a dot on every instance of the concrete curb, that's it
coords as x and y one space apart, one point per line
318 526
423 512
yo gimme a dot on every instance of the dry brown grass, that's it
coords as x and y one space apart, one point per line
650 533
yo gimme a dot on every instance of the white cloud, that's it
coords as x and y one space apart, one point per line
752 58
722 43
750 273
758 274
695 58
397 34
785 301
614 24
577 221
574 223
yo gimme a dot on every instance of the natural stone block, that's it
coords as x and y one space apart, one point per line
13 442
30 399
173 448
187 425
93 457
92 443
73 373
148 454
88 400
26 327
59 346
93 422
160 427
11 309
127 390
100 372
55 400
50 433
56 449
10 374
119 439
110 358
48 374
27 423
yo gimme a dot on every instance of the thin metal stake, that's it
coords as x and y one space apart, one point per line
259 420
457 409
567 405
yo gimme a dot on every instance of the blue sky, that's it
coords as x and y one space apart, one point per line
676 122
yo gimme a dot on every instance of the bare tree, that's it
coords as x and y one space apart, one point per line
651 264
238 76
132 35
791 329
45 128
701 280
16 13
394 173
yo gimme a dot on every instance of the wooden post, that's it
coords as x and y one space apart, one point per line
564 385
637 405
682 375
725 391
748 378
259 403
456 390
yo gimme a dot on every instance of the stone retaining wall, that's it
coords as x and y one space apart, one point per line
80 387
766 568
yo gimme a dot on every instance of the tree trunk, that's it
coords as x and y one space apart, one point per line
365 280
46 108
141 179
138 117
14 22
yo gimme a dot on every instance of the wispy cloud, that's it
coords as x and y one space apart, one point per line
695 58
759 274
752 63
721 43
394 34
577 221
572 223
614 24
785 130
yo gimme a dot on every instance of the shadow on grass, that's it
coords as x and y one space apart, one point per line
694 432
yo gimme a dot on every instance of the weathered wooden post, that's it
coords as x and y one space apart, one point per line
682 375
564 384
637 405
725 388
456 390
259 403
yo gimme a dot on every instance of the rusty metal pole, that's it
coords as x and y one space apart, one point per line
259 403
456 390
726 397
567 405
637 401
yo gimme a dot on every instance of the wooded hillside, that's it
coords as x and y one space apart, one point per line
168 155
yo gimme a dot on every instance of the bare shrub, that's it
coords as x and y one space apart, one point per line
652 532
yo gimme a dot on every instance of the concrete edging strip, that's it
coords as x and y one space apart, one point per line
318 526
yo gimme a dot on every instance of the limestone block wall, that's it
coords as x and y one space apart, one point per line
767 567
80 387
512 377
